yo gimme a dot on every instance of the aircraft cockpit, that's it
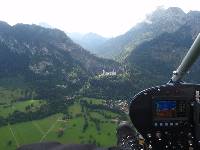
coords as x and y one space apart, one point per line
168 116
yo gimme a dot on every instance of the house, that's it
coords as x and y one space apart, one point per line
112 73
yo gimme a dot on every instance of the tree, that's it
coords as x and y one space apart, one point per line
60 132
108 134
9 143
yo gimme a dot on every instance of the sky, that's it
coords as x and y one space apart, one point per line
108 18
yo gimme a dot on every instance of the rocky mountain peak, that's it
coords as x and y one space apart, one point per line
4 24
175 11
4 27
170 14
193 20
193 15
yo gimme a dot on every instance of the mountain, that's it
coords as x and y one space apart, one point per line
45 25
45 57
159 57
160 21
89 41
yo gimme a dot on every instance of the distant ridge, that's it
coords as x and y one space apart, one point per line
160 21
47 57
159 57
89 41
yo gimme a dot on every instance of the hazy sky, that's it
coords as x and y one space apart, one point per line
105 17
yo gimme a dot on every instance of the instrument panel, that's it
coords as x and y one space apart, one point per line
168 116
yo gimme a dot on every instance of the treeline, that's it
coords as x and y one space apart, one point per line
100 107
88 107
44 111
111 87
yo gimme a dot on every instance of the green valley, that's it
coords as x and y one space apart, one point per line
79 124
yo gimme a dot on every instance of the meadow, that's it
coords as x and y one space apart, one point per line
56 128
22 106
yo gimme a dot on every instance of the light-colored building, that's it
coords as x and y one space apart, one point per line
112 73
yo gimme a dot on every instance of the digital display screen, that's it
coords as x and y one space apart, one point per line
169 109
165 109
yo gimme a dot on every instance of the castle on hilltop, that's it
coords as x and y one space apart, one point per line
112 73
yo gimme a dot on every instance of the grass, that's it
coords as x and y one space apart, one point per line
93 100
73 132
7 109
45 124
47 129
9 98
25 133
5 137
28 132
75 109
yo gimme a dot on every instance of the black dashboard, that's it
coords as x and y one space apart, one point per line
168 116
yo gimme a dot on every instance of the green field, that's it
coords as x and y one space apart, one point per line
75 109
48 129
16 99
7 109
93 100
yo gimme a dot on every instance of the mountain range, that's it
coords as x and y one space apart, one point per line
46 58
160 56
156 45
90 41
45 72
158 22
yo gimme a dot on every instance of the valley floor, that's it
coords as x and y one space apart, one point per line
79 125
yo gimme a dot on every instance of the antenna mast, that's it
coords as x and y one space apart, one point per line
187 61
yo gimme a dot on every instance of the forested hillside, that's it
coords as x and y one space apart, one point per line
159 57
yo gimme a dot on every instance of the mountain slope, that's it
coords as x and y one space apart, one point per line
89 41
158 22
47 57
159 57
